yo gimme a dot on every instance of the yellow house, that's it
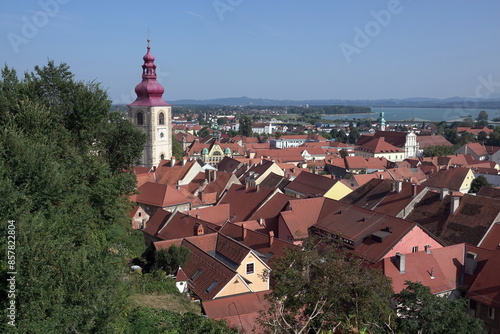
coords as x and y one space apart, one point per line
258 172
220 266
307 185
455 179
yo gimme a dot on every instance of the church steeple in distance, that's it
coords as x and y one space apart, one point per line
149 91
152 115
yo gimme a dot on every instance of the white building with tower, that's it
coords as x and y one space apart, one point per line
152 115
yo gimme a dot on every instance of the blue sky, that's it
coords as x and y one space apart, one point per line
324 49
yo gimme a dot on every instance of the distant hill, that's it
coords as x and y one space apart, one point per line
423 102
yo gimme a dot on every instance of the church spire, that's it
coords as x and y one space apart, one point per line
149 91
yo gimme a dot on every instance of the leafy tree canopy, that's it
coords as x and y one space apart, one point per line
421 312
317 289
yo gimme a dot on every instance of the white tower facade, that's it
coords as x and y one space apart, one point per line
152 115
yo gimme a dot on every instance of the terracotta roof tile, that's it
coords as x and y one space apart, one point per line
240 311
159 195
244 201
491 240
378 145
218 214
425 141
311 185
449 179
445 265
383 196
485 287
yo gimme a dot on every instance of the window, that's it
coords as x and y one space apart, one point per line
210 288
196 274
162 157
140 118
414 249
491 313
250 268
161 118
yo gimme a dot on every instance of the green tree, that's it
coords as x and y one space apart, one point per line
68 201
421 312
353 135
318 289
245 126
478 183
483 116
172 258
203 132
437 151
177 150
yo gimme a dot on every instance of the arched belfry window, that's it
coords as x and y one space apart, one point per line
162 156
161 118
140 118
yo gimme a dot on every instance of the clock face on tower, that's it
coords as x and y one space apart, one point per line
162 134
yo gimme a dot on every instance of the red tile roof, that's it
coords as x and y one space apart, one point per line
434 140
449 179
445 265
171 175
159 195
397 139
303 214
311 185
492 238
164 225
240 311
218 214
354 227
244 201
378 145
485 288
383 196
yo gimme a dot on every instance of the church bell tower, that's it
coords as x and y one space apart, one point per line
152 115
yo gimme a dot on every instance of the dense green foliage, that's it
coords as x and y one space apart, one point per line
172 258
155 282
421 312
144 320
437 151
317 289
62 180
245 126
478 183
177 150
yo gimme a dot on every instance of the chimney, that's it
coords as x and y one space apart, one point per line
257 187
208 176
470 263
442 193
455 202
198 230
427 249
381 176
172 162
414 190
243 231
197 216
261 221
271 238
401 261
184 160
399 186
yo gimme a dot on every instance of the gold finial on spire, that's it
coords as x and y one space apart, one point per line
148 38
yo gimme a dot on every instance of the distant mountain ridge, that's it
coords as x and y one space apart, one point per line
423 102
